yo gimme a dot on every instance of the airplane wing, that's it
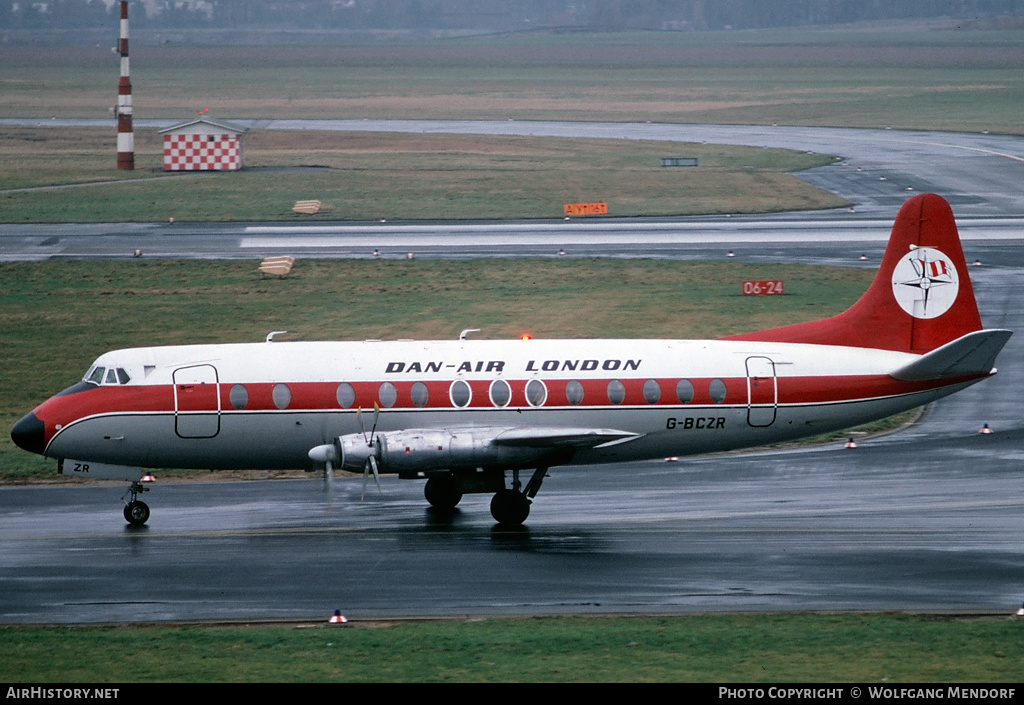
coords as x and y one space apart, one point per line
533 437
426 449
971 354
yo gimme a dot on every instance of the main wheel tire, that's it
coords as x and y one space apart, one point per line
443 491
136 513
510 508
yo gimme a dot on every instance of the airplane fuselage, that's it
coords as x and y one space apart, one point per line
264 405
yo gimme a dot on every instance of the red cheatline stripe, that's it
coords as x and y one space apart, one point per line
323 396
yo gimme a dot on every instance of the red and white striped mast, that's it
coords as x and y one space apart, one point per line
125 136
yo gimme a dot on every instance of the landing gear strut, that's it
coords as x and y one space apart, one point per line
511 506
136 512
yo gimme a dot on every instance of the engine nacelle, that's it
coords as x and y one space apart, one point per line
420 450
423 450
355 451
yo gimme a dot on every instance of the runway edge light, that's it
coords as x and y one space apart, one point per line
337 618
985 429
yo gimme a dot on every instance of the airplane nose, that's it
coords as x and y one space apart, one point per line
29 434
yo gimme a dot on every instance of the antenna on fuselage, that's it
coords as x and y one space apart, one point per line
271 334
464 334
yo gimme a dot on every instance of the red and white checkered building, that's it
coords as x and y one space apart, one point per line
203 145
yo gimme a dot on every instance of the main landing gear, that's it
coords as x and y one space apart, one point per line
443 491
136 512
510 506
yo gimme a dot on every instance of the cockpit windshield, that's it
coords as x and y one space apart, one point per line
107 375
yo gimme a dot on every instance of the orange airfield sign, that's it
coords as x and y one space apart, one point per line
585 208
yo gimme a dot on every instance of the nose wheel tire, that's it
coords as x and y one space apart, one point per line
136 513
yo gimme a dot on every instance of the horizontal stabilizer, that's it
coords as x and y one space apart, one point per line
563 437
971 354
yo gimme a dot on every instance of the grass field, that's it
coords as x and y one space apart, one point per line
363 176
905 77
884 648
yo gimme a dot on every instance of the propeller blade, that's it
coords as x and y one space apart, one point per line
329 485
371 466
329 454
366 475
376 475
362 428
376 415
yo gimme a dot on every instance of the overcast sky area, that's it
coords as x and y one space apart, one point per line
28 20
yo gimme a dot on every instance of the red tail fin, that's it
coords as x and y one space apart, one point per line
920 299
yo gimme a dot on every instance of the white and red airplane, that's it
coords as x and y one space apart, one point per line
470 415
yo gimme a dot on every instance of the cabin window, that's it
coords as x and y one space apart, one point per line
536 393
717 391
238 396
387 394
574 392
346 395
616 392
420 395
460 393
684 391
652 391
282 396
500 393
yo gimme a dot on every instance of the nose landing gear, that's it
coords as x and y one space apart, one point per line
136 512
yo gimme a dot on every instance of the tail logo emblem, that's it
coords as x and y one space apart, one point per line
925 283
